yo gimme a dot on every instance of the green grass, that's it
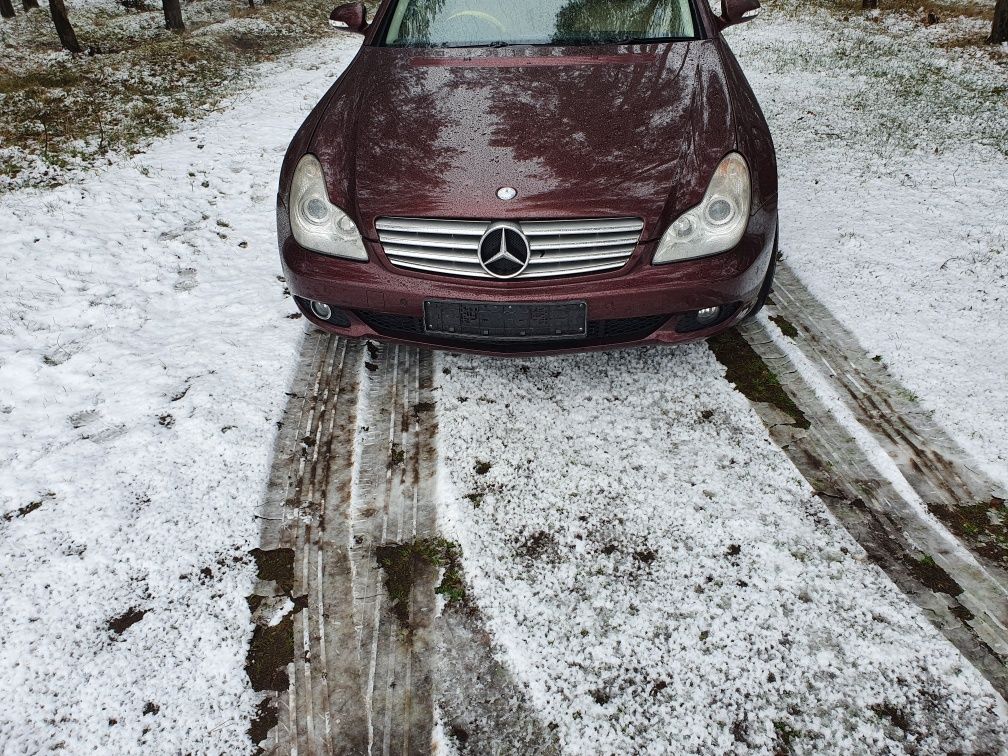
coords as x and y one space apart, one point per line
751 376
404 563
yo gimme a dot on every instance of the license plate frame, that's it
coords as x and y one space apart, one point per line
506 321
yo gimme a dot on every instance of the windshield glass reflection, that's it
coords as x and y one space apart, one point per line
476 23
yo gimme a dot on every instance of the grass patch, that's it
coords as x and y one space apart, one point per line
982 525
64 112
926 571
940 8
785 325
271 648
751 376
407 563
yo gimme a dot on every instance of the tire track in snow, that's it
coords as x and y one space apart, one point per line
320 709
355 471
852 404
957 492
395 505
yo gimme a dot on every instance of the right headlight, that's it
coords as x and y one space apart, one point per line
316 223
718 222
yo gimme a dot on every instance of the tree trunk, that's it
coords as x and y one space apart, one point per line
173 15
6 9
66 33
29 4
999 29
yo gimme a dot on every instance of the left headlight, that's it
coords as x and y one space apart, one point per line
317 224
718 222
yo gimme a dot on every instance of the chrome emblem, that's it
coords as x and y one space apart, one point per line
504 251
507 193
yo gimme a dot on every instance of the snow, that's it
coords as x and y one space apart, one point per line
655 572
145 348
658 575
892 165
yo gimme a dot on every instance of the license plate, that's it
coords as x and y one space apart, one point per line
488 320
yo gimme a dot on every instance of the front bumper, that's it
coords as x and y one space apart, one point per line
639 304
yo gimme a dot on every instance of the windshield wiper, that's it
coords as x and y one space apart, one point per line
485 44
627 41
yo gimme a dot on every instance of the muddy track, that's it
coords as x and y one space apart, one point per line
316 703
958 583
956 492
348 643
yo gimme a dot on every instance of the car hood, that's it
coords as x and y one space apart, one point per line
621 132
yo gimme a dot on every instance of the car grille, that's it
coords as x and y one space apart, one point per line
559 248
600 332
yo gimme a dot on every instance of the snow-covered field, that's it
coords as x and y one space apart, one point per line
145 350
893 183
657 572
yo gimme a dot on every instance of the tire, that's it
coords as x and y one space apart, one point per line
767 283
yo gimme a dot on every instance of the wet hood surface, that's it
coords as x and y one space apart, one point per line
620 132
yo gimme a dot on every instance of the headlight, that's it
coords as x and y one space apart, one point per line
716 224
317 223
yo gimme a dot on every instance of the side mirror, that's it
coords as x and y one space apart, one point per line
351 17
738 11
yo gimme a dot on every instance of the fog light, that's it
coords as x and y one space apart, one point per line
323 311
708 315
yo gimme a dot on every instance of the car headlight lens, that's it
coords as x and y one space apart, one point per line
316 223
718 222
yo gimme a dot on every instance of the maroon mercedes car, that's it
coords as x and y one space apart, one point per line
533 176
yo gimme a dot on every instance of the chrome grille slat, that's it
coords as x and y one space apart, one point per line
431 254
558 247
446 269
581 242
431 240
607 254
432 226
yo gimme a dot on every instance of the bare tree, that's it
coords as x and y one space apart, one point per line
6 9
173 15
999 29
29 4
66 33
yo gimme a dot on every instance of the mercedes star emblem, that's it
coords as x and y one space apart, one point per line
504 251
507 193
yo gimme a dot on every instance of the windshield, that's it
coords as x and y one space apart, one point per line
471 23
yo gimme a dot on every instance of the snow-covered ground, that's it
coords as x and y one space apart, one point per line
657 572
893 169
145 349
699 604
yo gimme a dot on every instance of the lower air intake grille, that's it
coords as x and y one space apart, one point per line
600 332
